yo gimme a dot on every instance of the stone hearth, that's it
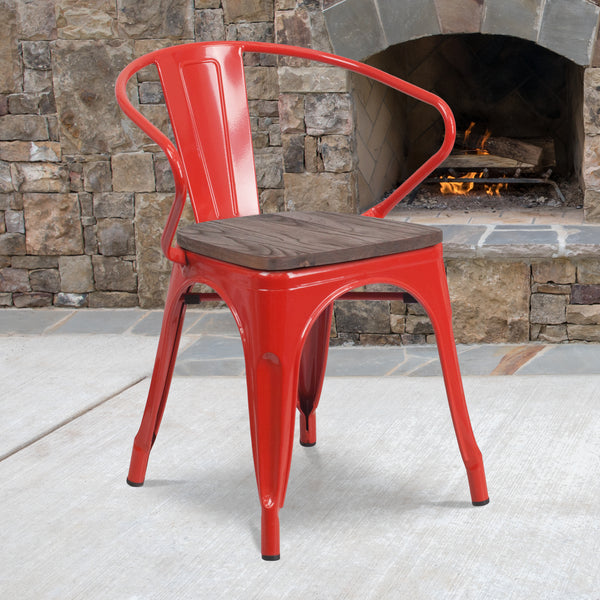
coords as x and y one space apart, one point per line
515 276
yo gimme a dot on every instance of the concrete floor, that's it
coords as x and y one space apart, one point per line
378 509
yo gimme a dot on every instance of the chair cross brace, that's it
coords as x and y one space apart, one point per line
199 297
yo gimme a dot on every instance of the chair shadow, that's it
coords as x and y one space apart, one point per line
313 490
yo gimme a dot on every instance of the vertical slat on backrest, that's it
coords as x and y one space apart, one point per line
205 93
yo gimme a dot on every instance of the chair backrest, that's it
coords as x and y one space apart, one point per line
205 93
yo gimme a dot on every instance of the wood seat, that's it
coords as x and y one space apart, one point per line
294 240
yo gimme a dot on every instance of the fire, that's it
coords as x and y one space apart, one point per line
461 188
494 190
484 139
468 131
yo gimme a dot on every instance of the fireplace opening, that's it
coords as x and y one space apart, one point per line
519 114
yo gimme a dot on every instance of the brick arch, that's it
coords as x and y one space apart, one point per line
361 28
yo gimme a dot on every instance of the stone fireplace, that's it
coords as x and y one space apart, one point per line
518 70
518 109
525 71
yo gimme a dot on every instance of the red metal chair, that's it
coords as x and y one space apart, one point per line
278 273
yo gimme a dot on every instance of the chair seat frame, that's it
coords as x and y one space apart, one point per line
284 319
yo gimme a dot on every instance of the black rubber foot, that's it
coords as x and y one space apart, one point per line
482 503
134 484
270 557
307 444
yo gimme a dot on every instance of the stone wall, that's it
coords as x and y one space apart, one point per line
591 150
493 301
83 194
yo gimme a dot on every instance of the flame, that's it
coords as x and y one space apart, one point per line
481 149
462 188
468 131
494 190
484 139
459 188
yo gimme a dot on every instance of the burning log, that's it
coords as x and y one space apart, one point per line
460 160
548 157
487 151
508 156
522 152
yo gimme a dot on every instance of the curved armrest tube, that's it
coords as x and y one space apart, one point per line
173 253
381 209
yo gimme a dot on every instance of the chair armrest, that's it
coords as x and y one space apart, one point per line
172 252
382 208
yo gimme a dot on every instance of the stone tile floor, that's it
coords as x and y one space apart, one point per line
211 346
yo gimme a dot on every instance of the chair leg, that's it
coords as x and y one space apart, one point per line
271 403
162 374
312 372
272 351
440 313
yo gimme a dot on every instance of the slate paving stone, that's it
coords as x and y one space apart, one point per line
149 325
464 237
25 321
583 235
152 322
410 365
101 321
473 360
211 347
512 237
518 227
215 322
361 360
564 359
226 367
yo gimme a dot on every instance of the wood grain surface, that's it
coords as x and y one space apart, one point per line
282 241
